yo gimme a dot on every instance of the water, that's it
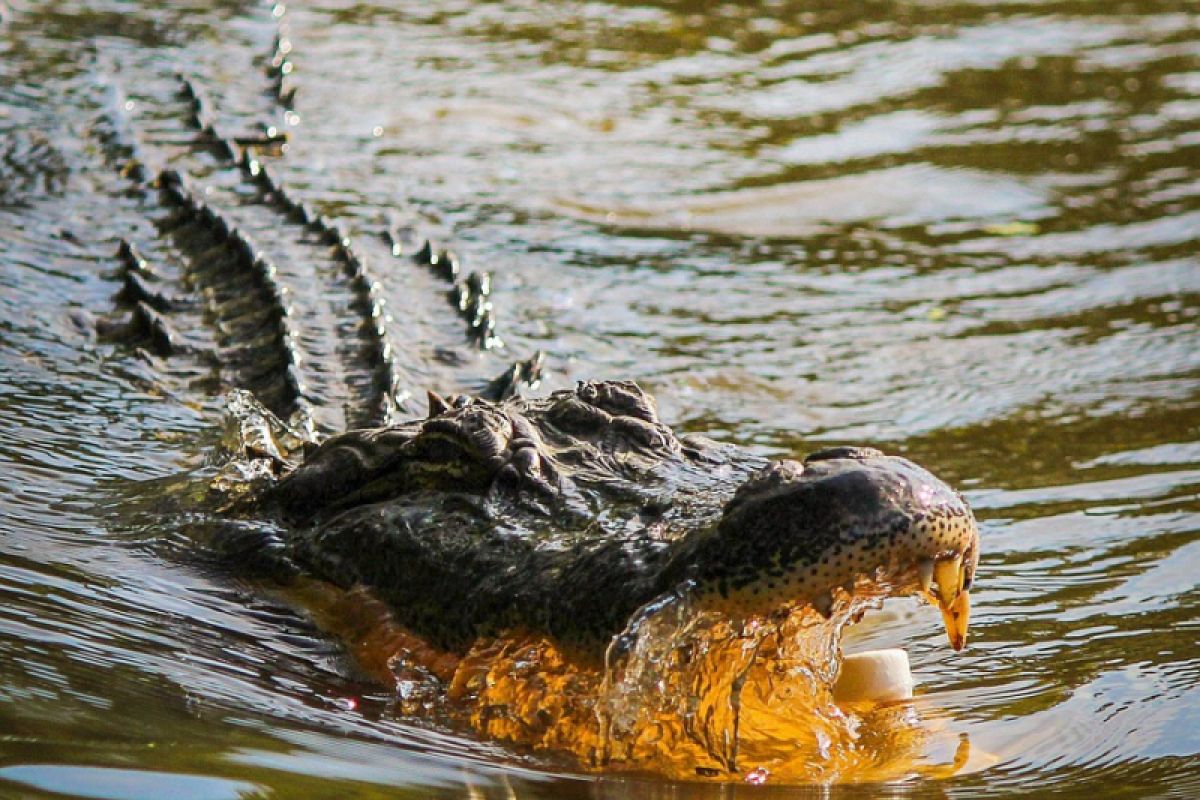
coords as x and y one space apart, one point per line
966 233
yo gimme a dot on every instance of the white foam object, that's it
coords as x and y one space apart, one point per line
875 676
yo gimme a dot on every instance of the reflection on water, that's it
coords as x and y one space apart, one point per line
895 196
965 232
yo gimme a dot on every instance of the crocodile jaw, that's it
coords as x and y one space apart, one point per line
952 597
850 522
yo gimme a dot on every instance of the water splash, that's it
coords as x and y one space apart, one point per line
693 694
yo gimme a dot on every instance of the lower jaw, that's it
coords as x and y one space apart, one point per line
696 697
692 696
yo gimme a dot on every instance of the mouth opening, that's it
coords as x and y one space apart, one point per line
690 689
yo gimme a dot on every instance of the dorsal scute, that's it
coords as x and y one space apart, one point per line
620 399
598 444
483 428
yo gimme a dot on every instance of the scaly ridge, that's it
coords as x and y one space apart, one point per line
252 309
279 65
390 380
359 364
469 295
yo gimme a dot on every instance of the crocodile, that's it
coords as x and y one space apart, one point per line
566 515
570 520
568 573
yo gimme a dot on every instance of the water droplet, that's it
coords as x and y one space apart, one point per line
757 776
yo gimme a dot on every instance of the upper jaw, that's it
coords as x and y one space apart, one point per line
950 593
930 541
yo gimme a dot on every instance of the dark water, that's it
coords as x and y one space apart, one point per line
965 232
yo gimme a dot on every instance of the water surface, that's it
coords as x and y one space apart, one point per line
963 232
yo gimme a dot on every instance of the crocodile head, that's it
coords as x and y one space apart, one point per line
571 512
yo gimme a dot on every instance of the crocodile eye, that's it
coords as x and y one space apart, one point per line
443 450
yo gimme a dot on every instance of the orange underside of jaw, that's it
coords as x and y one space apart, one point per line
525 690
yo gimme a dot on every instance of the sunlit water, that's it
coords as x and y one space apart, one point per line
964 232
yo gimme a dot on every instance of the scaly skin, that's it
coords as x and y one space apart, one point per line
568 514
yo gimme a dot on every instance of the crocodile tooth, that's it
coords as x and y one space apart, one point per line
948 573
925 574
957 617
485 331
531 369
398 236
479 310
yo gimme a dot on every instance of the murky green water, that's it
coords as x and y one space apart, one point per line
966 232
